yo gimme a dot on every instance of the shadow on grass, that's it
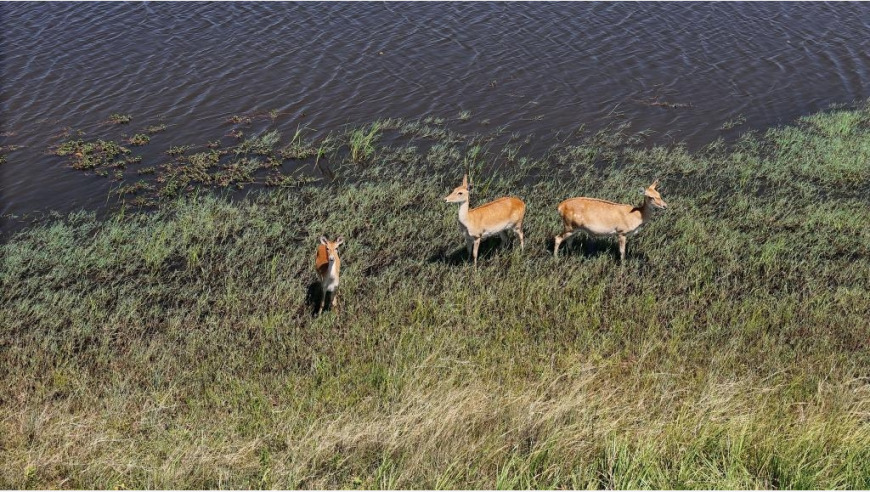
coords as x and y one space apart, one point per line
313 296
488 247
592 247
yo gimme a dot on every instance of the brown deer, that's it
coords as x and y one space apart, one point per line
328 266
495 217
603 218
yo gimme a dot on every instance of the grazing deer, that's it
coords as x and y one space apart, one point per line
328 266
602 218
495 217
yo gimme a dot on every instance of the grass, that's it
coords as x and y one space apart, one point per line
362 142
177 349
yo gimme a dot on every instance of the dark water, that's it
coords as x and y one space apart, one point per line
534 68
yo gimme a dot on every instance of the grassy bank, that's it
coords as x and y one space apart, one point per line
176 349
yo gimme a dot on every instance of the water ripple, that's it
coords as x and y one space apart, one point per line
535 68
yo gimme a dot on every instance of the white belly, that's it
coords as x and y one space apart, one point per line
490 230
597 230
330 284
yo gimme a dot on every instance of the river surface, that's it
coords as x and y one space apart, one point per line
688 72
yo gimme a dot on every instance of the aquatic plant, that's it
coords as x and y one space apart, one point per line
259 145
120 119
362 142
91 154
178 150
139 139
152 129
298 148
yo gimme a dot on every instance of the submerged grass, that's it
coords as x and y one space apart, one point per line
177 349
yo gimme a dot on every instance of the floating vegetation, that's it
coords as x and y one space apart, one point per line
237 173
240 120
298 148
139 139
4 149
664 104
464 115
390 148
289 181
734 122
205 159
152 129
137 187
178 150
260 145
93 154
120 119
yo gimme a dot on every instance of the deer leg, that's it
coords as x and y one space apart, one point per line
558 240
476 247
322 300
622 247
519 230
504 238
335 300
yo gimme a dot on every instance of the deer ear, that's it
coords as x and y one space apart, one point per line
323 240
465 181
339 241
655 183
642 191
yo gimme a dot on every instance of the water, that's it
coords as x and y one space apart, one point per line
682 70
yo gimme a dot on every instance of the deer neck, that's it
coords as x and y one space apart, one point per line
463 214
643 212
646 210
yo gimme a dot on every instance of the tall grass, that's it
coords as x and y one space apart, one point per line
177 349
362 142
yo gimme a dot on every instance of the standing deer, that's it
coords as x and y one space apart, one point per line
328 266
495 217
602 218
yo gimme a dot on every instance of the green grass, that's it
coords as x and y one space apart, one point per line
176 349
362 142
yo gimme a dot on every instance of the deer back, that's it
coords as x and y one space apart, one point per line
498 214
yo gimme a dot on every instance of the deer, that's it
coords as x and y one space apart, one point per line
602 218
328 266
495 217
